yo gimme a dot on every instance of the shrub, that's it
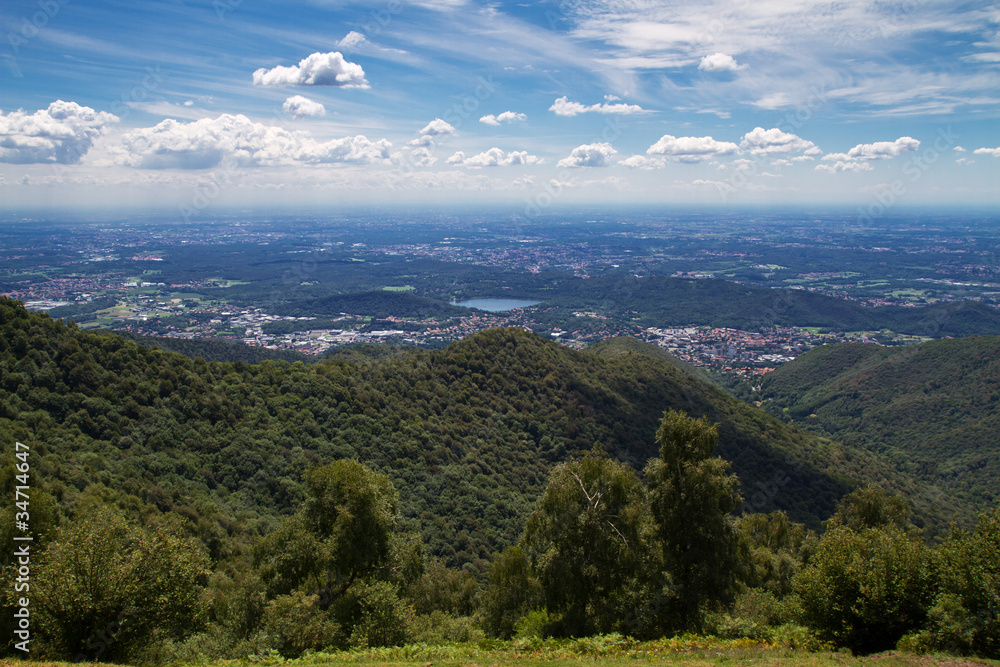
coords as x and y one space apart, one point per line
867 589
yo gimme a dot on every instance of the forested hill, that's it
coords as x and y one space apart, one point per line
216 350
660 300
933 407
468 434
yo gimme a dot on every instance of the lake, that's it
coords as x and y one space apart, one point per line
495 305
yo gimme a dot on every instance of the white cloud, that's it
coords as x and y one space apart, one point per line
643 162
690 149
776 142
438 128
719 62
351 40
589 155
298 106
859 158
417 157
318 69
563 107
505 117
883 150
844 165
62 133
995 152
429 134
495 157
774 101
207 143
810 45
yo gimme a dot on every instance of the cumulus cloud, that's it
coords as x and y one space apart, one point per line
859 158
431 132
318 69
438 128
505 117
883 150
207 143
995 152
719 62
62 133
563 107
494 157
690 149
589 155
298 106
776 142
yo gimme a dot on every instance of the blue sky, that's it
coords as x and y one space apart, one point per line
197 106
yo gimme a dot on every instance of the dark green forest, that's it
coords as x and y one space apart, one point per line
501 486
933 408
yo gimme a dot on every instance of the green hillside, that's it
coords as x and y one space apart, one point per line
661 300
504 484
933 408
468 434
216 350
379 304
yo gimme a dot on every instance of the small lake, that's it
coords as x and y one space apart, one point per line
495 305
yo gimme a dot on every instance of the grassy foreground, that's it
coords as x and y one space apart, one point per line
693 652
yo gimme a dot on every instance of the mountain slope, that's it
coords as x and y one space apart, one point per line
934 408
468 433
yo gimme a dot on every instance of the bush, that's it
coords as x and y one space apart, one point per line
536 624
107 588
755 614
441 628
965 617
866 590
295 624
513 590
379 616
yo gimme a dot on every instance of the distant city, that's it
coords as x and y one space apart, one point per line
269 283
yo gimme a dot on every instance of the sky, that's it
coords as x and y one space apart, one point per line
196 106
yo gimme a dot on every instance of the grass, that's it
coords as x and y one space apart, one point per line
606 650
618 650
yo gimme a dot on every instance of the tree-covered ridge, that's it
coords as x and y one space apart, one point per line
468 434
377 304
216 350
660 300
934 408
185 510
